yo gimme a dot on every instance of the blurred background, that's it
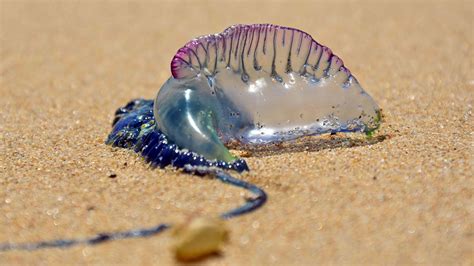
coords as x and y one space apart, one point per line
65 66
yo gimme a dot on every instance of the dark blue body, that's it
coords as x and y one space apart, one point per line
134 127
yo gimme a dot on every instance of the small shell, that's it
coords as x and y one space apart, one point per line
199 237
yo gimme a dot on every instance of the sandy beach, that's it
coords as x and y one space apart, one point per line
403 198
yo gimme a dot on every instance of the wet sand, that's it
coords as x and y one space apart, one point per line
403 199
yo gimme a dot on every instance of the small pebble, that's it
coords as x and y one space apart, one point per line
198 238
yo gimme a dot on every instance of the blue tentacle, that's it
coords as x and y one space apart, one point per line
134 128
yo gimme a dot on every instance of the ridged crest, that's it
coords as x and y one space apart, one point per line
250 49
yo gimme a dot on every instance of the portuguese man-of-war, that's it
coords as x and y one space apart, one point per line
249 85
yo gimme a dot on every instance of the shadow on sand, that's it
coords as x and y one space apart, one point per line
310 144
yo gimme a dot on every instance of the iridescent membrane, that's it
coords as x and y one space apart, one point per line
258 84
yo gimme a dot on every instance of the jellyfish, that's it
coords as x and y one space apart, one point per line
249 85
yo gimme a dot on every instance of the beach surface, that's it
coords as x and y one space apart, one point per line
403 197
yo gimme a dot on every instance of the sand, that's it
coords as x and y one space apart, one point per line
404 199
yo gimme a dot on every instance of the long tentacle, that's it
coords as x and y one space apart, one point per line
249 206
97 239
